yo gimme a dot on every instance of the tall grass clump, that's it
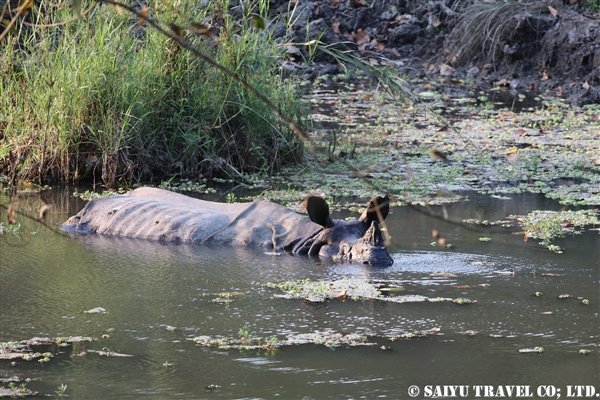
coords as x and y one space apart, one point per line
106 96
483 24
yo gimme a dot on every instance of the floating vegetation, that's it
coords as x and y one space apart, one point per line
534 350
353 289
470 332
504 272
13 391
24 349
444 275
223 297
327 338
584 351
462 300
97 310
90 195
485 239
186 185
564 296
105 352
585 301
550 225
409 335
212 386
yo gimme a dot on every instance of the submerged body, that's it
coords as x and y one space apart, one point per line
150 213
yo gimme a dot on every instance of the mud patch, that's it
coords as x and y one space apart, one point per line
548 47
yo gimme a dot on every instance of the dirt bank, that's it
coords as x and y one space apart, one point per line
538 46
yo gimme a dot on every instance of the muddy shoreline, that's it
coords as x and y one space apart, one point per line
542 47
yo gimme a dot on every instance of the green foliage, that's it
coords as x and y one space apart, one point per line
593 5
106 95
549 225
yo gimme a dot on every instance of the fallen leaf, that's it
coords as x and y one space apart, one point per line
360 37
435 21
586 85
544 76
258 22
437 155
10 215
446 70
335 2
553 11
143 14
335 26
44 210
358 3
520 132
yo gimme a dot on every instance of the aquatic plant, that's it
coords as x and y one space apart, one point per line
550 225
353 289
329 339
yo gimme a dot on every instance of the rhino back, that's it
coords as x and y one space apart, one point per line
151 213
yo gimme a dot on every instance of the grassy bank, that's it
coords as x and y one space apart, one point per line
107 97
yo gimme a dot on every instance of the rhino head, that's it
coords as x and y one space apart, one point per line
358 241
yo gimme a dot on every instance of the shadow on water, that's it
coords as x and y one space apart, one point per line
48 280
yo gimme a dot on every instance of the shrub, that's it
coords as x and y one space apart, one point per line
107 96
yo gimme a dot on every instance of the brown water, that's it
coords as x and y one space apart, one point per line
48 280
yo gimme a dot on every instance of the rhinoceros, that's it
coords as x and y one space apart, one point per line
151 213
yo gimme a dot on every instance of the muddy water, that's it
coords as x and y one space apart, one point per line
48 280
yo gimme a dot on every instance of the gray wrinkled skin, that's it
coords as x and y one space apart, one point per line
156 214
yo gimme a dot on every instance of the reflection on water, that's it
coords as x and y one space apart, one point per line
48 280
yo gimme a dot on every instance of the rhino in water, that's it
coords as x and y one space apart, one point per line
151 213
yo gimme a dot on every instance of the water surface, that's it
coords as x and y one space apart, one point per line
48 280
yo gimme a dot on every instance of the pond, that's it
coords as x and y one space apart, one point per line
159 296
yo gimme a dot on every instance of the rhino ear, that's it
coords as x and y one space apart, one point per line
318 211
377 210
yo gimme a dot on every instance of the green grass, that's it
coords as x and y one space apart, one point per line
90 100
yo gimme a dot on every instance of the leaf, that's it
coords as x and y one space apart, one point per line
335 26
76 4
44 210
176 29
202 30
586 85
335 2
437 155
26 4
446 70
520 132
258 22
553 11
358 3
360 37
10 215
435 21
117 7
143 13
544 76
